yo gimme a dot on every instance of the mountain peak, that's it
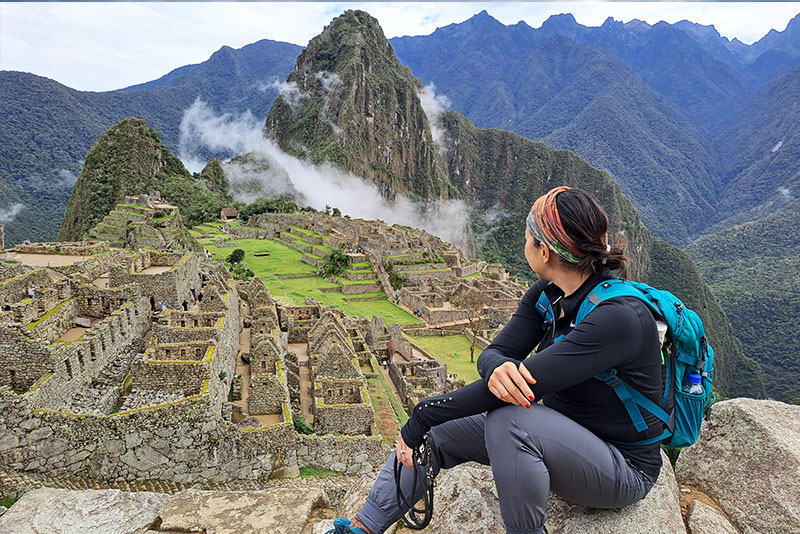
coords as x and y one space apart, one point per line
484 19
560 21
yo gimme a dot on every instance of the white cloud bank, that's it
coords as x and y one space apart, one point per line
317 185
433 105
7 215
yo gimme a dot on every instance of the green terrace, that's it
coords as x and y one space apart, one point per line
270 260
452 351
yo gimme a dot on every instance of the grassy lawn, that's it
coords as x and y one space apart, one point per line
286 260
385 418
452 351
473 275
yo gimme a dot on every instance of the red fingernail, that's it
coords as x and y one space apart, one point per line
527 405
530 397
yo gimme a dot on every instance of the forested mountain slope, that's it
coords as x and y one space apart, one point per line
754 270
47 128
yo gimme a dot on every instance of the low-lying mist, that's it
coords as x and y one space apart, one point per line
268 171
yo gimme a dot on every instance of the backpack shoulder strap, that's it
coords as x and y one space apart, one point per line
544 307
611 289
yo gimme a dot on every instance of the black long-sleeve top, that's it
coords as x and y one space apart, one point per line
619 333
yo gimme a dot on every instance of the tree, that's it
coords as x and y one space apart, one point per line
236 256
474 302
335 265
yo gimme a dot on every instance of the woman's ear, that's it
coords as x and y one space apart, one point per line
545 251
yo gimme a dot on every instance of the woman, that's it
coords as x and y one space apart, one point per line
575 442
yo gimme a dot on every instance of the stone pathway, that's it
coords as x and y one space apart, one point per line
301 349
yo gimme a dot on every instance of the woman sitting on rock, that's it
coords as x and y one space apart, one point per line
574 443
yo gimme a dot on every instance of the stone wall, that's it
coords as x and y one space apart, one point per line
171 286
177 442
345 419
352 455
195 351
81 248
360 288
53 324
14 290
24 362
266 395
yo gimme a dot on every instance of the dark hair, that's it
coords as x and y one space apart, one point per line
586 222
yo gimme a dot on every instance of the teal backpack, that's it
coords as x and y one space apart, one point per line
684 350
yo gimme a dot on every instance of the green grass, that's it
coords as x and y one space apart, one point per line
7 502
308 232
283 259
453 351
361 265
399 410
473 275
318 472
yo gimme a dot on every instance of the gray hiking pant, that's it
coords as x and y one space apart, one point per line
531 451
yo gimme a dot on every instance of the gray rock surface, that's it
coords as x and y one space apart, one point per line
748 460
659 512
240 512
703 519
466 497
57 511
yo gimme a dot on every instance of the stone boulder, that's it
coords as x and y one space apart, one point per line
703 519
658 512
241 512
58 511
748 460
466 495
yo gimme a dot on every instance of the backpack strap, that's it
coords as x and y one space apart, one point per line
632 399
544 307
610 289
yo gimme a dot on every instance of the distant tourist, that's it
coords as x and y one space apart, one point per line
163 306
152 303
31 291
200 297
27 241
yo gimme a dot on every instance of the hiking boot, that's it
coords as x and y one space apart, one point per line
342 526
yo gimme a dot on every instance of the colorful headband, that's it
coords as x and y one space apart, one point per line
545 224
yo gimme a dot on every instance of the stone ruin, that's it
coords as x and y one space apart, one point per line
340 400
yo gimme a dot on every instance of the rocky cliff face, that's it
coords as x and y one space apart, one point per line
349 101
130 159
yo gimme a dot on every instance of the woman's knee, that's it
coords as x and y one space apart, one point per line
504 428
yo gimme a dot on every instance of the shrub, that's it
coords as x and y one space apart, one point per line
236 256
300 425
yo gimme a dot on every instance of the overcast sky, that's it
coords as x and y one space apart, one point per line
103 46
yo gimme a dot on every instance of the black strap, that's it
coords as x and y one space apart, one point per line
418 518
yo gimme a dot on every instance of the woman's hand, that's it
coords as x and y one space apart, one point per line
509 383
405 454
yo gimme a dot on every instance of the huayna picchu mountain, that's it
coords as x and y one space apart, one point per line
128 159
497 172
350 101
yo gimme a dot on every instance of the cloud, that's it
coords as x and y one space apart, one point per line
785 193
328 79
313 185
67 178
290 92
7 215
434 105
